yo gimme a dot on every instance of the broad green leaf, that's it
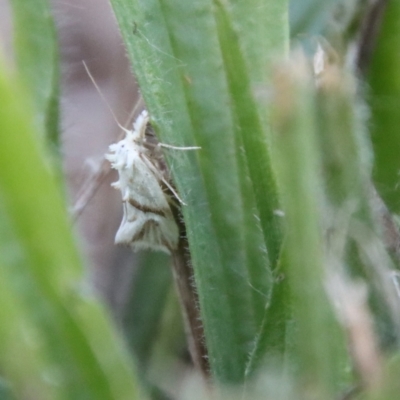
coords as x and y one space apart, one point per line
180 54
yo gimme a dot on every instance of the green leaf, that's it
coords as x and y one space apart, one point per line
243 74
144 310
310 17
271 343
318 361
68 333
384 98
36 50
180 54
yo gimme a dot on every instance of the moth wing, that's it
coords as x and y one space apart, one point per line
145 230
147 222
142 186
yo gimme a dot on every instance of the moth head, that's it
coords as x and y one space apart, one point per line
121 152
118 154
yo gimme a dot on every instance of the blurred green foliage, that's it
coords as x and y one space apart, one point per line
292 249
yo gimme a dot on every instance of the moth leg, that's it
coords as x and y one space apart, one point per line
168 146
159 175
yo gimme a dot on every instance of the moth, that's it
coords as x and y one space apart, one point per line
147 196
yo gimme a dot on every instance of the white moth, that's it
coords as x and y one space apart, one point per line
147 222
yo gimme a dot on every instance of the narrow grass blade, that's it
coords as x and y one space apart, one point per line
36 49
384 98
48 285
300 183
144 310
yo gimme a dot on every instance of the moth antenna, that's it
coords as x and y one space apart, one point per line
103 97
